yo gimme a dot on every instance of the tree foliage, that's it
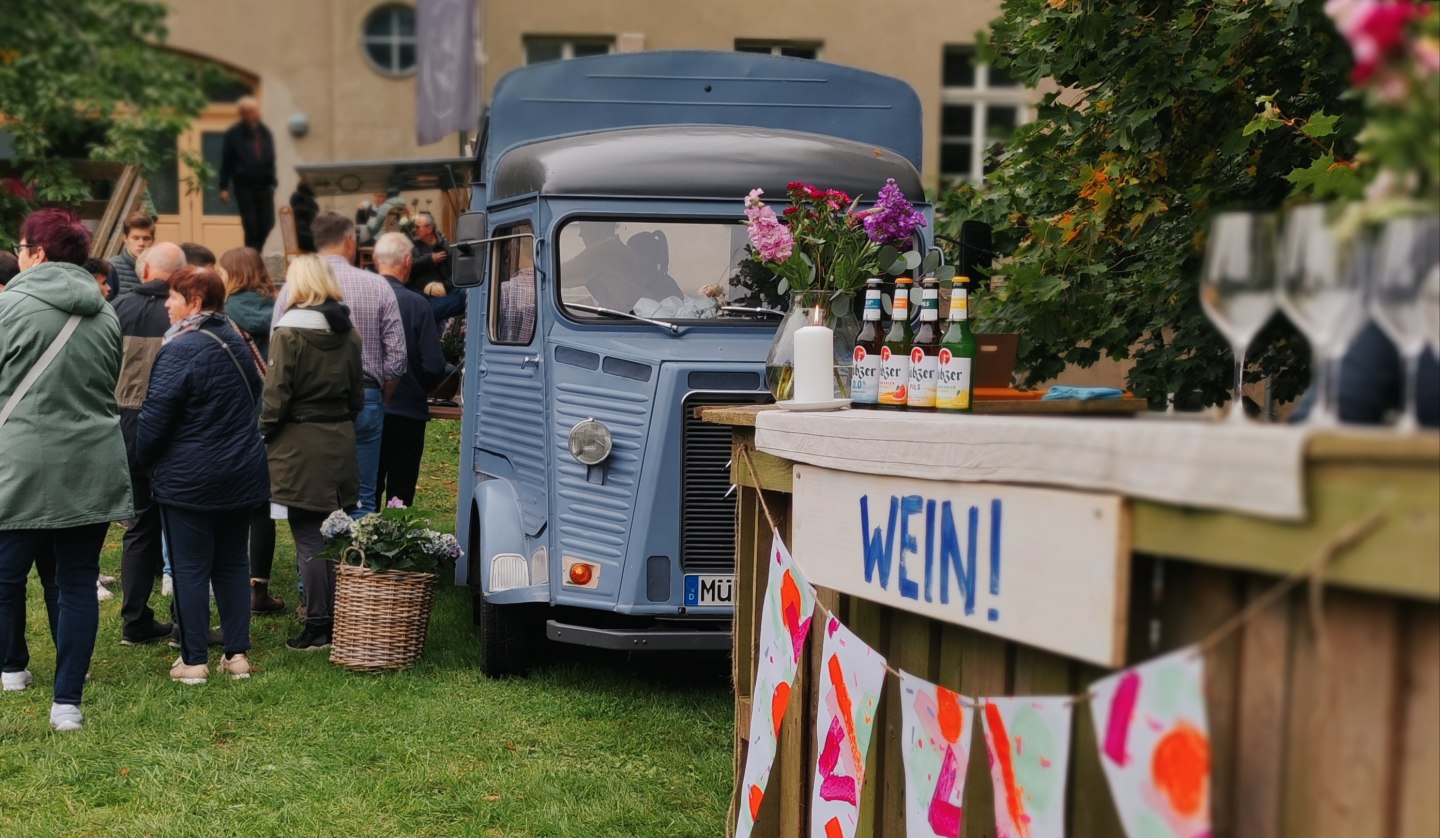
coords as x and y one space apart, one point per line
88 77
1099 205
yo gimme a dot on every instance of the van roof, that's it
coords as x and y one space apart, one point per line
698 162
633 90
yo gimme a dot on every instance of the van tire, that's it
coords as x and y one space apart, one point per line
511 638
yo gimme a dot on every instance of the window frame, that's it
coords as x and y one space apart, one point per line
393 41
522 230
567 45
778 47
981 98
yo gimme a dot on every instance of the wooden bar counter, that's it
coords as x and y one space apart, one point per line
1324 707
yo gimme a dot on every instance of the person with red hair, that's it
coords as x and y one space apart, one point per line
63 470
199 434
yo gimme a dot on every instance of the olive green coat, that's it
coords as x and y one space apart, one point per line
62 458
314 375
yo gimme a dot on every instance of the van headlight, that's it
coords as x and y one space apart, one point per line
590 442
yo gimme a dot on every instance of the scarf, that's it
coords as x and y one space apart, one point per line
188 324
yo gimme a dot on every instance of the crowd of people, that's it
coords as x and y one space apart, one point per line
196 404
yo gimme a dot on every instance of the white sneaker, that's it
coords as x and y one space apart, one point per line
106 580
65 717
16 681
167 586
102 593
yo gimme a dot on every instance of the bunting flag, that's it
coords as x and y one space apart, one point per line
1155 745
784 624
852 675
1028 740
935 726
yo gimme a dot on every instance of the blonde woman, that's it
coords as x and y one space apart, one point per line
313 392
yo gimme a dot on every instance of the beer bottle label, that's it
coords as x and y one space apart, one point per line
894 377
924 370
952 388
865 377
873 309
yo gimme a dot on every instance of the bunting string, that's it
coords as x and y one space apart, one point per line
1312 571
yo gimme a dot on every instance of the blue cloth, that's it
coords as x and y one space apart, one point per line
198 427
210 549
450 305
76 551
369 428
1083 394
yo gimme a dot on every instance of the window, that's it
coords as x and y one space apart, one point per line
512 312
389 39
670 270
981 106
794 49
538 49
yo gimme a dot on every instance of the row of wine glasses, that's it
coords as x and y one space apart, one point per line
1327 282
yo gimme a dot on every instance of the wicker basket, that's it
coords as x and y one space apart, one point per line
381 616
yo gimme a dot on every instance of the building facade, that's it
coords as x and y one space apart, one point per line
336 80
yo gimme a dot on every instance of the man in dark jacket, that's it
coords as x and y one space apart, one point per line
305 208
143 322
247 163
432 270
402 443
139 230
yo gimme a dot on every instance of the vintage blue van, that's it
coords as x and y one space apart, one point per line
610 297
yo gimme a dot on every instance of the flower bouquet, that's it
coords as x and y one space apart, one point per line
385 585
821 249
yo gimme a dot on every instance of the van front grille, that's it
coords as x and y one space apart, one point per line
707 508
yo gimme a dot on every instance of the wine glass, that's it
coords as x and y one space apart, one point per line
1409 252
1237 285
1320 285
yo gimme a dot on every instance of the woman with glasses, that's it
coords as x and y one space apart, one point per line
60 351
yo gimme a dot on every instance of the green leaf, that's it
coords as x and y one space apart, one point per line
1320 124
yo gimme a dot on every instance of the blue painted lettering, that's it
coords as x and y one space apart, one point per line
878 551
910 505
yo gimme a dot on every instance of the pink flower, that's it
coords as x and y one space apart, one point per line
1376 30
395 503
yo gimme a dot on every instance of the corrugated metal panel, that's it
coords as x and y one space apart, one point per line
593 520
510 420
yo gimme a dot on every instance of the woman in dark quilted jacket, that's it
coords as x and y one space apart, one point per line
199 432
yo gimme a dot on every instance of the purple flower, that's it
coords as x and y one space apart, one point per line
395 503
893 218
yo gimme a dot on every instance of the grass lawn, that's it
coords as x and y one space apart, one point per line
591 745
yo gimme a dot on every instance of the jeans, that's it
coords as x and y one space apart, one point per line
369 426
17 656
450 305
76 552
262 543
209 548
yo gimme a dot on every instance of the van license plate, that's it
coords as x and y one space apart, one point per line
709 589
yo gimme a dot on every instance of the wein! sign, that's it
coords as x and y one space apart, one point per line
1043 567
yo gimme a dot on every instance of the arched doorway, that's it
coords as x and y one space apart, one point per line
188 214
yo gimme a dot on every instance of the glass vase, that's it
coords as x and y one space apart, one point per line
838 314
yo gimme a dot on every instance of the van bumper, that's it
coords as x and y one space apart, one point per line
656 639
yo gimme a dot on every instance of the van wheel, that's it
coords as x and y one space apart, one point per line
511 637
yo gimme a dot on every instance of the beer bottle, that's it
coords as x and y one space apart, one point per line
895 352
925 350
955 388
865 378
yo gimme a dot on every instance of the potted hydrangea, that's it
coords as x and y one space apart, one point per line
389 564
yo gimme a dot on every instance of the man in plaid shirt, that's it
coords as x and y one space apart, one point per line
382 337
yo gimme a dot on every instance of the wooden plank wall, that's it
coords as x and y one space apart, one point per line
1324 721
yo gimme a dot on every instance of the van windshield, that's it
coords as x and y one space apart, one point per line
668 270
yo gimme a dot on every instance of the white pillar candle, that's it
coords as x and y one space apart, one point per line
814 364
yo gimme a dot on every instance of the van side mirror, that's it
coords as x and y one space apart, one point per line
468 251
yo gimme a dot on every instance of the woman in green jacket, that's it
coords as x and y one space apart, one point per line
313 392
65 426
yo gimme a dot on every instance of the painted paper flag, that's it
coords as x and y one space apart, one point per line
1028 741
1155 745
784 623
935 726
852 675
